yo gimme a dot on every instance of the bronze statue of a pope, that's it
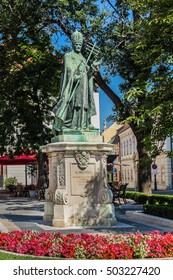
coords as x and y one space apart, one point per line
76 105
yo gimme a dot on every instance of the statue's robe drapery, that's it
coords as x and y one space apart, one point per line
76 103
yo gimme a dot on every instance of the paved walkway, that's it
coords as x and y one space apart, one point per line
27 213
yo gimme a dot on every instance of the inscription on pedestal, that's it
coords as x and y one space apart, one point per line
80 179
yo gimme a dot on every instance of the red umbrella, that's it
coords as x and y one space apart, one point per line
18 160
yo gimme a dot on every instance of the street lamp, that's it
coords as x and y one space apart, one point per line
154 167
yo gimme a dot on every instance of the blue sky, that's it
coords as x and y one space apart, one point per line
106 104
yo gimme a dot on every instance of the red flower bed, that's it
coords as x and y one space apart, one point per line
86 246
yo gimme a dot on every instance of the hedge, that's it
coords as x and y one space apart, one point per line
138 197
155 204
155 199
160 199
164 211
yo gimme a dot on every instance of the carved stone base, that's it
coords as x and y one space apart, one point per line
48 211
78 136
78 193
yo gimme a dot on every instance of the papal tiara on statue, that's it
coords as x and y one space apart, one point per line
77 37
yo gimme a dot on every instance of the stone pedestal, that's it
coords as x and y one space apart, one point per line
78 193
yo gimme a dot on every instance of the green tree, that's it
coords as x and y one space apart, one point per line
126 32
30 68
137 44
29 78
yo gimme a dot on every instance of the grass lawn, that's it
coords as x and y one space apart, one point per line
8 256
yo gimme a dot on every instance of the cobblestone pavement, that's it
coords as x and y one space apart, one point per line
27 213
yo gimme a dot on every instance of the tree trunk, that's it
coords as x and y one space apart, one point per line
42 157
109 92
42 170
144 169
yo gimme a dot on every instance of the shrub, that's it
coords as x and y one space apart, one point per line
11 181
164 211
157 199
156 204
138 197
160 199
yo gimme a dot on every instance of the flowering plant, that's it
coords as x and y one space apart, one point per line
87 246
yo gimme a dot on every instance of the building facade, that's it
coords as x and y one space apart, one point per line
21 172
128 156
126 164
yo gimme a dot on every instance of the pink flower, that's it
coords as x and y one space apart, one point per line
122 246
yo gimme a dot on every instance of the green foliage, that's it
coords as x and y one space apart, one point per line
137 44
135 41
30 66
144 61
154 199
158 205
164 211
160 199
29 77
7 256
10 181
31 50
138 197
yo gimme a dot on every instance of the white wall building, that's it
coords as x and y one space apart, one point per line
18 171
129 157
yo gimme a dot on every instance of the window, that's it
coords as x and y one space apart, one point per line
132 174
130 146
127 147
128 175
124 148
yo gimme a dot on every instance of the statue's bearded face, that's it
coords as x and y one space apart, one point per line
77 46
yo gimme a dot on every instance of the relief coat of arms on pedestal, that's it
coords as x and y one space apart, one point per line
82 159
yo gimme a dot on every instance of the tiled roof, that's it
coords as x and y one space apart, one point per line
123 128
115 139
